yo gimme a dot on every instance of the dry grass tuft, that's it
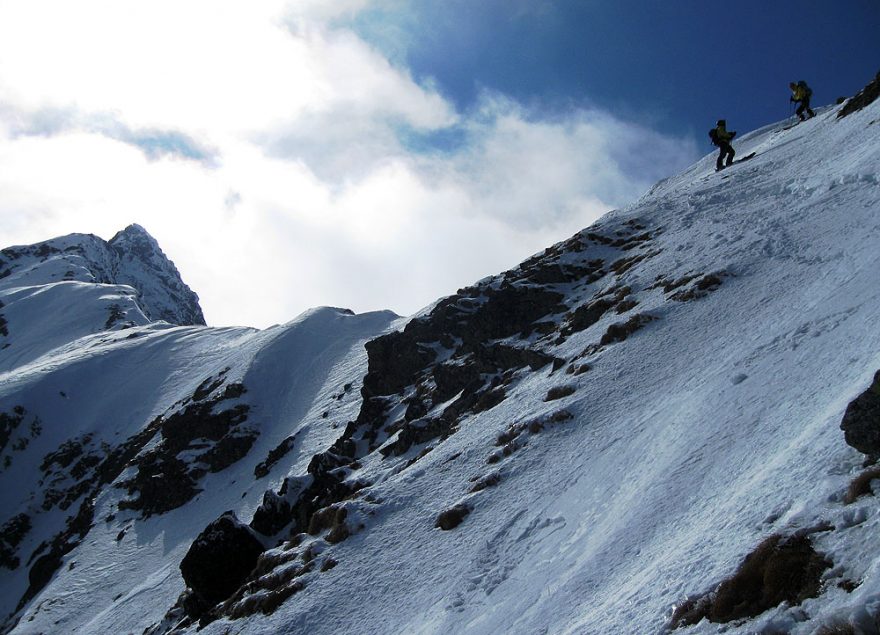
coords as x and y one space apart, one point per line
861 485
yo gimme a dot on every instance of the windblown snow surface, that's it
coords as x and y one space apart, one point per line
674 450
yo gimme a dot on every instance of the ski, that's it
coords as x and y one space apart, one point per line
740 160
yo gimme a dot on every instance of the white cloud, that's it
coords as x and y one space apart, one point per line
312 194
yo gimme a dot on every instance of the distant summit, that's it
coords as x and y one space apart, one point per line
143 265
132 257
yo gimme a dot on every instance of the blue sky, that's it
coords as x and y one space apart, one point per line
380 154
678 65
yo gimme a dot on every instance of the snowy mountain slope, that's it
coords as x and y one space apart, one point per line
573 446
103 406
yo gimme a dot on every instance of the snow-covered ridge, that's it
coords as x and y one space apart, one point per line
574 446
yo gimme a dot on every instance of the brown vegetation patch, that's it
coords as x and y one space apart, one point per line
625 264
780 569
836 628
703 287
622 330
861 485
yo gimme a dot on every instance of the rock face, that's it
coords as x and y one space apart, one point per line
861 421
132 257
220 559
209 429
143 265
460 359
867 95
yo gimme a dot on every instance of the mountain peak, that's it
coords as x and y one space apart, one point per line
144 265
132 257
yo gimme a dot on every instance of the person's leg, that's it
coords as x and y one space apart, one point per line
802 105
807 107
730 153
720 162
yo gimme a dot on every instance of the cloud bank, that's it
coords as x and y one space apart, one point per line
282 161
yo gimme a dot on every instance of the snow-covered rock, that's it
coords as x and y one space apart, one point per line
593 442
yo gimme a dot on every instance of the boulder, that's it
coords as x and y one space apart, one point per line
861 421
220 559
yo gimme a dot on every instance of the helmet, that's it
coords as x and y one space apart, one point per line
721 122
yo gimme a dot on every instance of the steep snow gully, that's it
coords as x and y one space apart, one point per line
668 423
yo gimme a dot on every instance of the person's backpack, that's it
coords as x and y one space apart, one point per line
713 135
808 92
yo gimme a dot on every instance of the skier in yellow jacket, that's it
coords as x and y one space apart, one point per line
800 94
722 139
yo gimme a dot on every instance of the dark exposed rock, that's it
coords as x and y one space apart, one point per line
452 517
220 559
66 454
489 400
116 316
861 421
585 316
460 358
276 454
12 533
163 483
47 558
214 437
209 385
864 97
4 325
272 515
9 422
578 369
558 392
490 480
416 432
63 543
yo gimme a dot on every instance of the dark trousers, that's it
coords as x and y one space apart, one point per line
726 151
804 105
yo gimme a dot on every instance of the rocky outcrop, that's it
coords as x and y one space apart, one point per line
162 294
456 361
864 97
208 430
12 533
